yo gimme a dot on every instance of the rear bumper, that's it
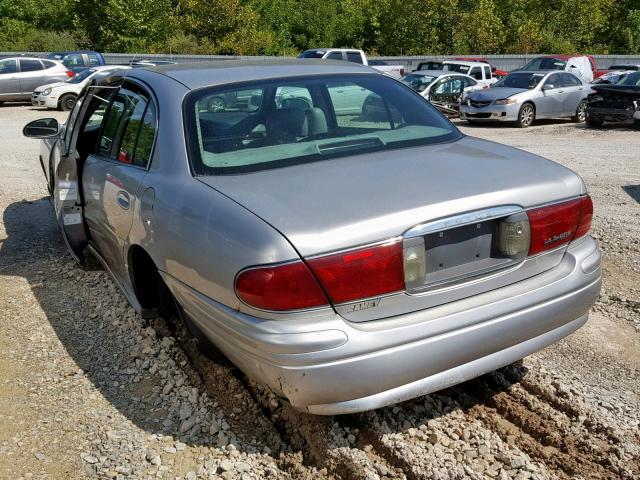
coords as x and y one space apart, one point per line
491 113
335 366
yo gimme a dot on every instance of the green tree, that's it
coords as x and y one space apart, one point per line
126 25
414 27
480 29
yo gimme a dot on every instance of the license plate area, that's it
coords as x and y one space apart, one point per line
459 254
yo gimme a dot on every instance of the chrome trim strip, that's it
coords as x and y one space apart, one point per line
462 219
389 241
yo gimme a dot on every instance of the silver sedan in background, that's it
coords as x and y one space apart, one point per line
523 97
348 261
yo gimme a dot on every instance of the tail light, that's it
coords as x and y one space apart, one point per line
361 273
384 268
290 286
69 73
556 225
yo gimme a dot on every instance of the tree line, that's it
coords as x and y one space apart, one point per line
285 27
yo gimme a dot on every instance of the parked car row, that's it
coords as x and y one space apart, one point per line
524 96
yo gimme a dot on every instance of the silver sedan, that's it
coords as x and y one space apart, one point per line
347 262
523 97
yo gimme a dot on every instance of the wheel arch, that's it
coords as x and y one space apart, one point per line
143 275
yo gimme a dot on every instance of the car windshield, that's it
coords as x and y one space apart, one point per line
312 54
631 80
545 64
418 82
525 81
81 76
456 67
276 123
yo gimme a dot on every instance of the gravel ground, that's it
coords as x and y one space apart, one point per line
89 389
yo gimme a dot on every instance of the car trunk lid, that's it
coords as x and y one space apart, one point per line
339 204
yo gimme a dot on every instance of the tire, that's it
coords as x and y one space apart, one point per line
67 102
526 115
581 112
636 124
594 122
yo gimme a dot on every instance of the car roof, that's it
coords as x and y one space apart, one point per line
562 57
468 63
437 73
30 58
67 52
212 73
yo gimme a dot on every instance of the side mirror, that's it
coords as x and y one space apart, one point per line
493 69
548 86
43 128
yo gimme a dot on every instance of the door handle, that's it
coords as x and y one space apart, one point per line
560 91
123 199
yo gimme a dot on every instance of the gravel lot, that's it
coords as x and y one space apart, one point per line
90 389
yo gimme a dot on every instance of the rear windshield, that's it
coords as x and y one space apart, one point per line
631 80
269 124
312 54
526 81
456 67
545 64
430 66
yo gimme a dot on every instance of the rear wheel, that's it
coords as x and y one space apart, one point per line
594 122
526 116
67 102
581 112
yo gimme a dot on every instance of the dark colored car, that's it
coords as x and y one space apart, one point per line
615 103
78 60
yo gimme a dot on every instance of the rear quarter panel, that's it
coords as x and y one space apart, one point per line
196 234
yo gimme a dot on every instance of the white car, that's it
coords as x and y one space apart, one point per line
445 90
63 95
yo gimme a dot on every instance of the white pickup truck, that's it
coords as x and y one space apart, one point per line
480 71
355 56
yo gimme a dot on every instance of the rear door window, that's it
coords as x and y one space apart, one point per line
335 56
487 72
130 114
27 65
